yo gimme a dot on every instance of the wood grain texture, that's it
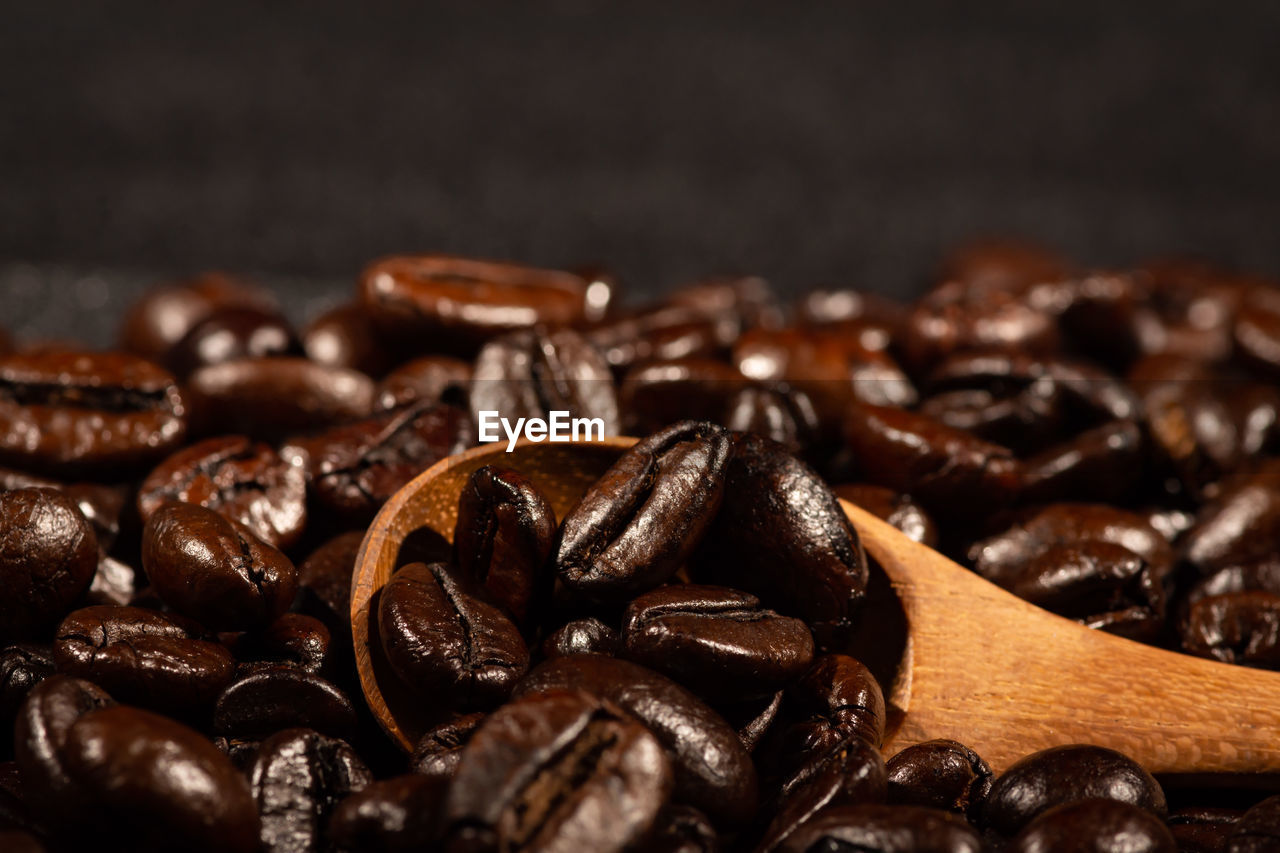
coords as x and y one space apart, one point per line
981 666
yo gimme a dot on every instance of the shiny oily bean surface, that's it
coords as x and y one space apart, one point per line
22 667
503 538
143 656
898 509
940 774
782 536
1095 826
558 771
458 303
531 373
346 336
433 378
445 641
643 518
40 735
1241 525
683 829
48 558
397 815
440 749
1064 774
1258 829
352 469
298 779
233 333
713 772
1236 627
215 570
883 829
269 399
167 312
164 781
87 414
295 640
245 481
581 637
718 642
276 698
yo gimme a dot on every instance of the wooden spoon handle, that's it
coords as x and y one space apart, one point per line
1007 678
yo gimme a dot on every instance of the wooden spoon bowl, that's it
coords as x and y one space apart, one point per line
978 665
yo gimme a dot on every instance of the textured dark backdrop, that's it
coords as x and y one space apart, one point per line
843 142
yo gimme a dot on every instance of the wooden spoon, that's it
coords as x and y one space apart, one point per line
979 665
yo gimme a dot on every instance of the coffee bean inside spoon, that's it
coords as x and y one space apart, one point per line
977 664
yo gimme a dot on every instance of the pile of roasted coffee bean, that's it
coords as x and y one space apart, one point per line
667 667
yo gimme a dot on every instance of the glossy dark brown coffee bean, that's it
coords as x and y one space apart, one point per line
1099 583
1095 826
1258 829
713 771
170 786
503 538
1002 558
557 771
458 303
48 557
874 319
143 656
346 336
1100 464
1202 830
1188 310
883 829
445 641
272 398
87 414
100 504
432 378
897 509
745 300
243 480
230 334
298 780
654 394
295 640
532 373
940 774
1236 627
275 698
325 577
22 667
718 642
586 636
354 468
661 333
215 570
836 699
398 815
165 314
682 829
440 749
753 718
850 774
946 469
1241 525
51 708
1065 774
1262 576
644 517
781 535
777 412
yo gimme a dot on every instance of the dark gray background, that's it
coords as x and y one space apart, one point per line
810 142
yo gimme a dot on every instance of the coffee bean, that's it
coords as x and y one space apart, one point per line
347 337
281 697
272 398
581 637
440 749
48 557
87 414
1240 526
753 718
399 815
654 394
712 770
444 641
143 656
555 770
354 468
1258 829
1236 627
682 829
244 481
1104 826
457 303
644 517
1065 774
531 373
431 378
778 412
170 786
503 537
325 576
1202 830
940 774
166 313
295 639
718 642
215 570
883 829
22 667
661 333
897 509
298 780
229 334
781 535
